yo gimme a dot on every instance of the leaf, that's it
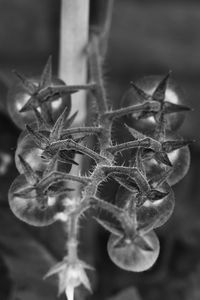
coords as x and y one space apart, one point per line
27 260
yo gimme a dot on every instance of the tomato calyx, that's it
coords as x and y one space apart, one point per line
43 91
36 182
44 142
158 148
169 146
159 96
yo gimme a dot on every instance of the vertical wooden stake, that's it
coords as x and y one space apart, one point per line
73 42
74 33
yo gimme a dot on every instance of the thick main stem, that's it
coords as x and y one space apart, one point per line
72 243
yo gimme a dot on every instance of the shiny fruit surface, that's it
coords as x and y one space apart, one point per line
29 150
131 256
34 210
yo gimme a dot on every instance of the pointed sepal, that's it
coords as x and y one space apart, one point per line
46 77
162 157
158 180
41 122
38 137
58 126
70 120
134 133
155 195
159 93
144 96
28 85
144 245
23 193
52 166
30 175
170 146
109 227
170 107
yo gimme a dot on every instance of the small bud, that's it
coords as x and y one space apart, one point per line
70 275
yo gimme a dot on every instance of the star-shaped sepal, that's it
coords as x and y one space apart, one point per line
45 91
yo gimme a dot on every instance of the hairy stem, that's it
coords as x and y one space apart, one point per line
134 173
71 145
57 177
90 130
96 74
150 106
130 145
113 209
72 242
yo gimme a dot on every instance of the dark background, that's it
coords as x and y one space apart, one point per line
147 38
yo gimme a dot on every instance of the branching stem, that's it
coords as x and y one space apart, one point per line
145 143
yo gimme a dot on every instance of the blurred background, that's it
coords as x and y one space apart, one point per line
146 38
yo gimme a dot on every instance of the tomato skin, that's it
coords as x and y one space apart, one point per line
28 210
18 96
180 166
148 84
131 257
28 149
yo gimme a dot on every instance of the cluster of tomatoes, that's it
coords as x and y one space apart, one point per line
41 107
161 165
